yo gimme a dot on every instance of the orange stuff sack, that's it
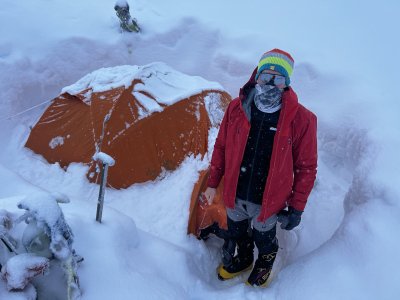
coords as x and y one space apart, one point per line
201 214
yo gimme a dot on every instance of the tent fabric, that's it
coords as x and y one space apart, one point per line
202 214
75 127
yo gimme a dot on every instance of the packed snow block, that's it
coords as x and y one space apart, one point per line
148 118
203 215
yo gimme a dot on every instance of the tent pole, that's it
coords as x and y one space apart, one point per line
103 183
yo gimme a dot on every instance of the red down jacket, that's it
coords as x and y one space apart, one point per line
293 164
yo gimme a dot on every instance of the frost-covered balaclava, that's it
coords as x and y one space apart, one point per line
268 98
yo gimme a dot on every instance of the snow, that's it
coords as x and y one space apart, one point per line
44 207
121 3
104 158
60 197
213 108
345 71
164 83
28 294
56 141
149 104
21 267
104 79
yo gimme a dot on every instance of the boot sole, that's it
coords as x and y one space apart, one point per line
225 275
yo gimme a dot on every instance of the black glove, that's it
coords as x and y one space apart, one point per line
290 218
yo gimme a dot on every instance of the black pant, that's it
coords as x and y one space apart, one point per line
241 230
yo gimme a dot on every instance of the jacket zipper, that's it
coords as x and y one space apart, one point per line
254 159
274 155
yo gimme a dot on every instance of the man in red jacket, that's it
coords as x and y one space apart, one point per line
266 150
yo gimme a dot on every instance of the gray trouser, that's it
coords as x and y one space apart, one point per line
247 210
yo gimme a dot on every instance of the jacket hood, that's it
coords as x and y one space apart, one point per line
244 91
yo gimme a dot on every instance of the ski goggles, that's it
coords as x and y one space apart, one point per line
271 78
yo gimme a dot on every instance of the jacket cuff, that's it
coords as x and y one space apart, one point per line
297 204
295 211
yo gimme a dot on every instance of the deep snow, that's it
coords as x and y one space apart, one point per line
345 71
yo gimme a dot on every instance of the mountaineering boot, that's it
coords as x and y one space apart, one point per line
267 245
228 251
242 262
262 269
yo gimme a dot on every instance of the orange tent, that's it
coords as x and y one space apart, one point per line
147 118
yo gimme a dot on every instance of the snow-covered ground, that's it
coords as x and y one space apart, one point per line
345 71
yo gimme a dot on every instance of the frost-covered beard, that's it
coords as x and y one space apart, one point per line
268 98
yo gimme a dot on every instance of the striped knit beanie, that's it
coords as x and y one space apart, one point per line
277 60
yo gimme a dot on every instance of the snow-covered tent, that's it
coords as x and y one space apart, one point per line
148 118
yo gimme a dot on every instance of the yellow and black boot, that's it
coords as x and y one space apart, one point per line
240 263
267 245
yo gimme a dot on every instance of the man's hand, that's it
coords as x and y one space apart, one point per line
290 218
209 194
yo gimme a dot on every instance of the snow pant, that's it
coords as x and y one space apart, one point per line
244 230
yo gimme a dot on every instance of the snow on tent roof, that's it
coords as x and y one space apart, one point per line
148 118
166 85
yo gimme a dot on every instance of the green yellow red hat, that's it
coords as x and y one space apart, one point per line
276 60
